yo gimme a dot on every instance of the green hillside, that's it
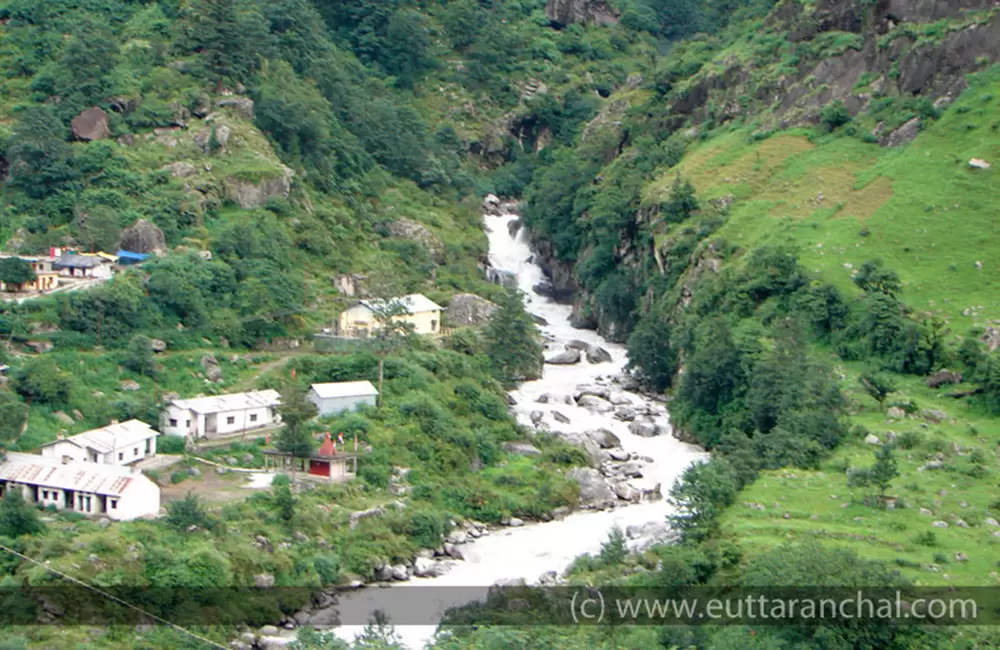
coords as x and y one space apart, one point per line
771 203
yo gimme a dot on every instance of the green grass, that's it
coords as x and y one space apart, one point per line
821 505
927 214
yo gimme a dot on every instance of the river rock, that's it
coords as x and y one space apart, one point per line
625 492
584 442
604 438
644 428
521 449
625 414
559 417
594 490
514 227
536 417
383 573
567 358
619 454
632 469
457 537
590 389
400 572
577 344
548 579
515 522
619 399
274 642
452 551
595 404
425 567
597 354
491 205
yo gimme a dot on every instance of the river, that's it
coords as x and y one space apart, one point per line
527 552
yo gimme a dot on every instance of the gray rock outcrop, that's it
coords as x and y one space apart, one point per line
254 194
521 449
91 124
418 232
563 13
242 106
594 489
567 358
469 309
143 237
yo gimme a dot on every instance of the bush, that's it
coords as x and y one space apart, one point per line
327 568
177 477
834 115
427 528
170 444
909 440
926 538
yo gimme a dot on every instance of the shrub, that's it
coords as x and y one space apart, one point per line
940 558
909 440
327 568
170 444
926 538
427 528
177 477
834 115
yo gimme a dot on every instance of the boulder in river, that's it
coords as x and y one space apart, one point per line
559 417
595 404
577 344
594 489
597 354
590 389
644 428
604 438
567 358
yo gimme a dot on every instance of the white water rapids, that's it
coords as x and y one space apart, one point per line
529 551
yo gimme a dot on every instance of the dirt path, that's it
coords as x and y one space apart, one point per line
269 367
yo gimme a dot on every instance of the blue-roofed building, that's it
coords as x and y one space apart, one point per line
126 258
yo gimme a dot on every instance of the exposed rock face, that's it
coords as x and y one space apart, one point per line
569 12
521 449
242 106
469 309
902 135
418 232
180 169
143 237
91 124
250 195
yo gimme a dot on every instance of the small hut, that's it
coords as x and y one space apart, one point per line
326 463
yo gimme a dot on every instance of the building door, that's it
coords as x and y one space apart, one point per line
319 468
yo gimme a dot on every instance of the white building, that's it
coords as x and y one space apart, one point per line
115 444
221 415
342 396
116 492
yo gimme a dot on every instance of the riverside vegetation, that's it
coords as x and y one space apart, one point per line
772 204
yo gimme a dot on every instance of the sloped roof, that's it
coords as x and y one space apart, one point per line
233 402
113 436
109 480
345 389
77 261
414 303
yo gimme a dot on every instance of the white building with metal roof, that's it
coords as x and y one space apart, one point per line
342 396
221 415
116 444
116 492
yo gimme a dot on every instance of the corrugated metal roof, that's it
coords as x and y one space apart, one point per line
345 389
414 303
77 261
234 402
113 436
110 480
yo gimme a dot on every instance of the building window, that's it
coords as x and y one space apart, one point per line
121 455
45 494
173 422
136 451
187 423
114 504
231 419
253 417
434 325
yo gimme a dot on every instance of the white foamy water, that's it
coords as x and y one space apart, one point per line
531 550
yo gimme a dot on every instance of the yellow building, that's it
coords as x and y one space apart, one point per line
419 311
46 278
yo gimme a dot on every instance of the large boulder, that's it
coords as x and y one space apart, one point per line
567 358
143 237
91 124
521 449
470 309
250 194
604 438
595 404
942 377
594 489
418 232
563 13
644 427
597 354
242 106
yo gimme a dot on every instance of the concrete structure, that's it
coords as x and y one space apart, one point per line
417 310
46 278
120 493
221 415
116 444
83 266
338 397
327 463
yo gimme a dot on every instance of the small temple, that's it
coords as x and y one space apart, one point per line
325 463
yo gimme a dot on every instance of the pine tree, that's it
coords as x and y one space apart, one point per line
512 341
614 550
283 498
884 470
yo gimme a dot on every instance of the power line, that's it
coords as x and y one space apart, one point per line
113 597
